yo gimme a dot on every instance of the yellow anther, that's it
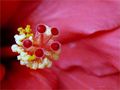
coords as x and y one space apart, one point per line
21 30
28 35
31 58
55 56
28 29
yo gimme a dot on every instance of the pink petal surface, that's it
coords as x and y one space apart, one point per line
78 16
19 77
75 78
99 54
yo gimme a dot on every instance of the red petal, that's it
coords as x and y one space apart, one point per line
6 52
8 8
98 54
76 78
20 77
2 72
77 16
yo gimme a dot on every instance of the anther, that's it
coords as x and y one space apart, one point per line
39 52
41 28
55 46
54 31
27 43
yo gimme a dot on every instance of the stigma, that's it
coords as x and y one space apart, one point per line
37 50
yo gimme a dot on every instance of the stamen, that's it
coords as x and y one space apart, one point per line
41 29
37 50
54 32
42 39
48 39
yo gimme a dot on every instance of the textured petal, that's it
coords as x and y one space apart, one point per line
75 78
19 77
97 53
79 16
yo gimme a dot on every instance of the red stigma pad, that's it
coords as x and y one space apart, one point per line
55 46
54 31
41 28
27 43
39 52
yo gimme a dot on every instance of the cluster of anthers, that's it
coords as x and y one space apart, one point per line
37 50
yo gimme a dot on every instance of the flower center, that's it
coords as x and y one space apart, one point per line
37 50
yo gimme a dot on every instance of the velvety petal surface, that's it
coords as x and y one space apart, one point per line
76 78
78 16
96 53
20 77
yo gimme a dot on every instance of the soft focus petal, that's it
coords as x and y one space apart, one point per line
97 53
6 52
109 44
19 77
16 10
79 16
75 78
8 8
2 72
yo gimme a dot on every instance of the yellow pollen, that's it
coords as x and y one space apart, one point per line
28 29
31 58
21 30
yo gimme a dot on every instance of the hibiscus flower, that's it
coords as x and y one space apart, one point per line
90 40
